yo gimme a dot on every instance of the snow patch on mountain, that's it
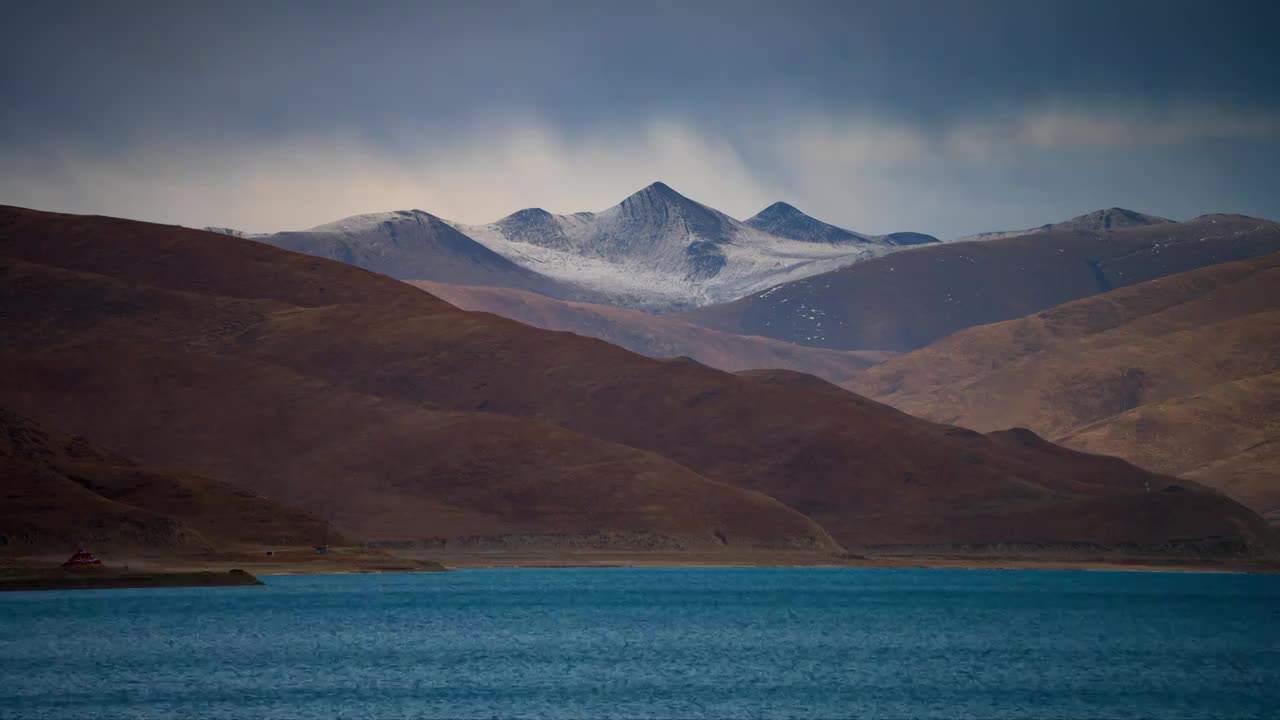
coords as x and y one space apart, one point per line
658 250
230 231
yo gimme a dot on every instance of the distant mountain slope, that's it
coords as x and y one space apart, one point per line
1096 221
786 221
61 491
1090 359
413 244
909 238
1226 436
658 336
911 298
401 418
1176 374
229 231
657 250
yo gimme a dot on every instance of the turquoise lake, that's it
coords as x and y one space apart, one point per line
654 643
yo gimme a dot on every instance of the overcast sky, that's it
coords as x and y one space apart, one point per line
947 117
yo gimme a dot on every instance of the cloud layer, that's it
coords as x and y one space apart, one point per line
879 115
866 173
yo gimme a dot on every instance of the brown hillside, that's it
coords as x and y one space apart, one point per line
1174 374
1250 476
61 490
398 416
167 376
911 298
658 336
1226 436
1088 360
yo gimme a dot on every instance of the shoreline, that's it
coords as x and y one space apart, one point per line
895 564
939 561
39 580
154 571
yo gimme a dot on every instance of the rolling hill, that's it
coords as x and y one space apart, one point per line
1177 375
62 491
1226 436
909 299
658 336
400 418
145 343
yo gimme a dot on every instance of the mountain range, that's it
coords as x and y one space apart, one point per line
657 250
780 274
909 299
401 419
412 244
863 313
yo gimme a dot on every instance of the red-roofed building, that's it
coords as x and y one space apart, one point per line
82 558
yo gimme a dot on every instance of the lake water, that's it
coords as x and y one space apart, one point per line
654 643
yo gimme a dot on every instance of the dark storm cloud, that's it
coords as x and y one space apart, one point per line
108 65
88 83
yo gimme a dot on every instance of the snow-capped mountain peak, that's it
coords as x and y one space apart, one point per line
360 223
534 226
658 188
788 221
660 221
657 249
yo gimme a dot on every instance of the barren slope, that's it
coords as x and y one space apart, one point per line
1096 221
658 336
168 376
911 298
399 416
1226 436
1177 375
61 491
